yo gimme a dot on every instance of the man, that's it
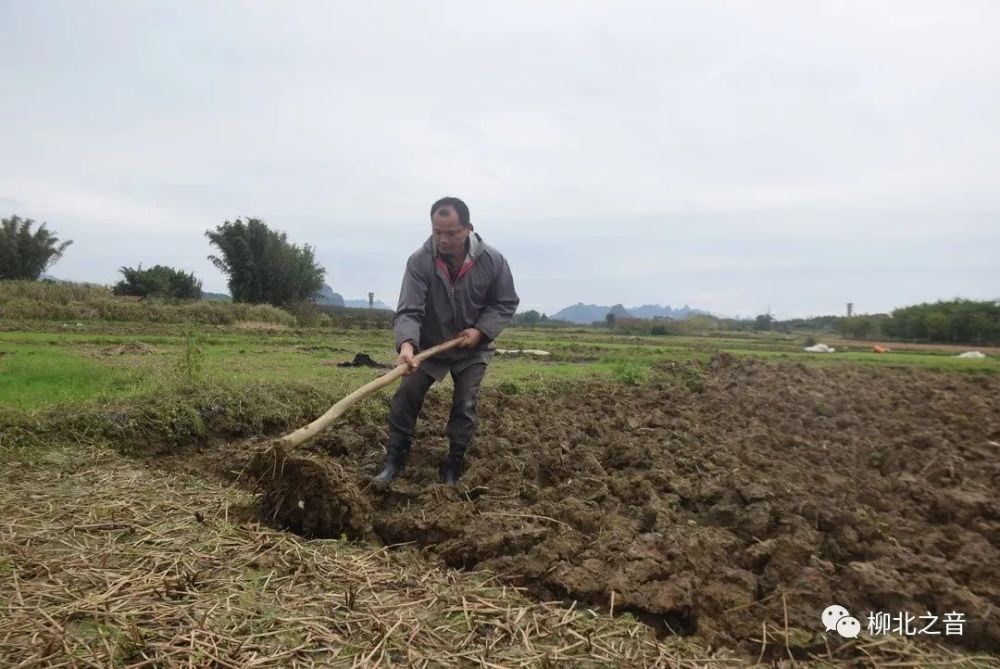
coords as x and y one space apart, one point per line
454 286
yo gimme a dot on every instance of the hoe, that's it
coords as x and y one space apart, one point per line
315 496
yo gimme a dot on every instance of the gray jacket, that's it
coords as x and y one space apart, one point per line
432 309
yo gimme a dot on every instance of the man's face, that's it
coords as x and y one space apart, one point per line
449 235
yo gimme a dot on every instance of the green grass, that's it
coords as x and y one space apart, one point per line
58 367
44 370
34 376
68 387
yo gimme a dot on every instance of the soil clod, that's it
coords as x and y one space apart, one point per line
718 509
309 495
363 360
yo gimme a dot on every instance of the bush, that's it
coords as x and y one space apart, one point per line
37 300
56 292
307 313
629 373
158 281
362 319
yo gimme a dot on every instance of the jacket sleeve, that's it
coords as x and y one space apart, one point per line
412 305
502 304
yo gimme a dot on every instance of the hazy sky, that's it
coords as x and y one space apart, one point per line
732 156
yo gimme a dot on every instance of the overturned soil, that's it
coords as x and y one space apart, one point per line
310 495
720 498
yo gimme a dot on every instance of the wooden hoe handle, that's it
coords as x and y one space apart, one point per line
309 431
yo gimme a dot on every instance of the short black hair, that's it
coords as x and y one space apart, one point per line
457 206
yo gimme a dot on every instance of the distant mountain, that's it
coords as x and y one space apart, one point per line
327 297
363 304
656 311
582 313
585 314
215 297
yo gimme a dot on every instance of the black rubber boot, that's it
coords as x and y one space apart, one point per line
451 468
395 462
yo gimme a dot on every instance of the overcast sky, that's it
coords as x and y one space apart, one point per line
732 156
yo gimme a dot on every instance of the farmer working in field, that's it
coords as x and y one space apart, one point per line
455 285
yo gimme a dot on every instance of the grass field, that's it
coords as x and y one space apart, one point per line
178 384
42 369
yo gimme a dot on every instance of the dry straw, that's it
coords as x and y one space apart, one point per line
114 565
107 563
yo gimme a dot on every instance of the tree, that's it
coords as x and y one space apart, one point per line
763 322
610 319
982 328
263 266
700 323
938 326
528 318
158 281
958 321
857 327
25 254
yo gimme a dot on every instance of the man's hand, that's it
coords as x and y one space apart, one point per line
406 358
470 338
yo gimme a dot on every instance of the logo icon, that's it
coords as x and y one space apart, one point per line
849 627
836 617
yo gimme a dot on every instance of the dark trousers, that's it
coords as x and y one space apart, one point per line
410 397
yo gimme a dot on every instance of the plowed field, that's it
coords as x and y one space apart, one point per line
721 498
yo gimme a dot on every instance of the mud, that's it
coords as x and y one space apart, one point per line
719 498
308 495
363 360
